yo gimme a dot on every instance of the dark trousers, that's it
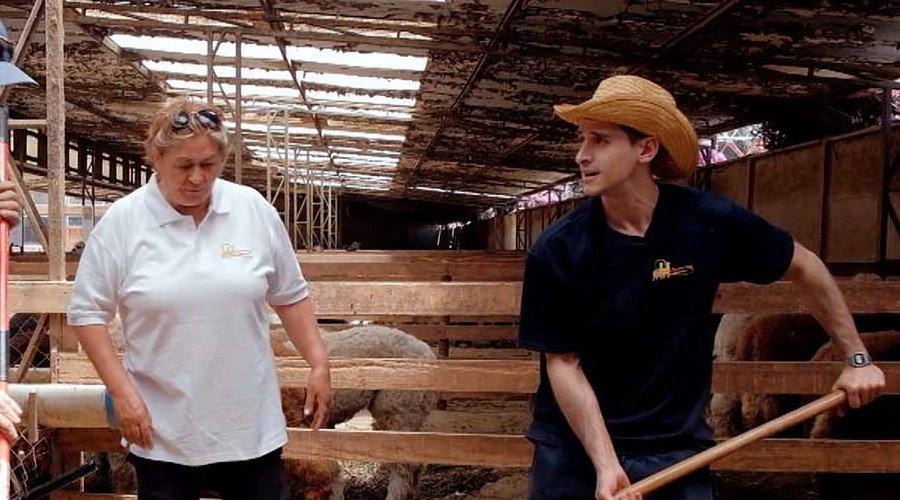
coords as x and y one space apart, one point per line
566 473
257 479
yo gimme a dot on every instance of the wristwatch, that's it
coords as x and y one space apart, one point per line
858 359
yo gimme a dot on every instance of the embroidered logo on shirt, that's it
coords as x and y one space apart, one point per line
228 252
662 269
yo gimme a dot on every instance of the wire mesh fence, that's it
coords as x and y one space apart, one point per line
29 351
29 344
29 462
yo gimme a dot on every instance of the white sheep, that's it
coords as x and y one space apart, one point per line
390 409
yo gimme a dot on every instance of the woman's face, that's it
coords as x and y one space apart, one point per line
186 173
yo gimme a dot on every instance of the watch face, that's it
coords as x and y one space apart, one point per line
859 359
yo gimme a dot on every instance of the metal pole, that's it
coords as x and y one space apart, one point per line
4 299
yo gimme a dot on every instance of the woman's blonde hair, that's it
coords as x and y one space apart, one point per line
162 134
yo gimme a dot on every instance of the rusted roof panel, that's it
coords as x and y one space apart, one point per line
482 114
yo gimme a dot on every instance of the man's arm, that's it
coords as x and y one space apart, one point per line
579 404
821 295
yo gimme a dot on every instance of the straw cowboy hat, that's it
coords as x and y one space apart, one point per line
640 104
9 73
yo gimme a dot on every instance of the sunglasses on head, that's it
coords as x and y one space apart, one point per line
205 118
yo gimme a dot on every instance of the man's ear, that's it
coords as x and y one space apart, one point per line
649 149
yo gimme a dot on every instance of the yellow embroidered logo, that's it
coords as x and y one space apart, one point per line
662 270
228 251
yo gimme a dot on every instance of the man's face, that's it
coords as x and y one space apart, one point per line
607 157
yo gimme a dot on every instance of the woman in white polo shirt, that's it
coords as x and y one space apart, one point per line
190 261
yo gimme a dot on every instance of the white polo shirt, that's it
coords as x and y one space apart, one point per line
192 304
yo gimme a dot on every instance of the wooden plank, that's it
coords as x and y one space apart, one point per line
414 298
367 271
486 299
430 333
413 265
861 296
342 299
495 450
486 450
32 268
814 455
517 376
513 376
39 296
785 377
501 450
395 265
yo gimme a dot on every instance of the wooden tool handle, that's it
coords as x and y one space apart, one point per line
728 447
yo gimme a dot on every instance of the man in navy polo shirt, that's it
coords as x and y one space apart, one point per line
617 298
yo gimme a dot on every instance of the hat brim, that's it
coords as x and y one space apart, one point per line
11 75
665 122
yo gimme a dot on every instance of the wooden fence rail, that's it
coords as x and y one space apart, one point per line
484 299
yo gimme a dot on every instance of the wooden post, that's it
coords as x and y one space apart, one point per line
238 111
56 186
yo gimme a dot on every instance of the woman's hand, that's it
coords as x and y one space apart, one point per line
134 419
318 393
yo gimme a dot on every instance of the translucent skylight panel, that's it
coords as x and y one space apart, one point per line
363 135
349 149
375 113
358 59
359 82
220 71
461 192
246 90
359 98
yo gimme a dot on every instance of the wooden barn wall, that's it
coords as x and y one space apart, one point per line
500 232
852 207
827 194
787 188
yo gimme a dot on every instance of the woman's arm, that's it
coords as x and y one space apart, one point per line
131 411
300 323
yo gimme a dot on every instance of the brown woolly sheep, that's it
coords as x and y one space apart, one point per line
877 420
723 413
776 337
772 337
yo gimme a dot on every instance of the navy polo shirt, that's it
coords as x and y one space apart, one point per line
637 311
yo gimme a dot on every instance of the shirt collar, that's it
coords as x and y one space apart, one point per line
162 211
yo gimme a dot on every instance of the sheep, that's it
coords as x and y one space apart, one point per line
391 410
776 337
771 337
723 410
874 421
